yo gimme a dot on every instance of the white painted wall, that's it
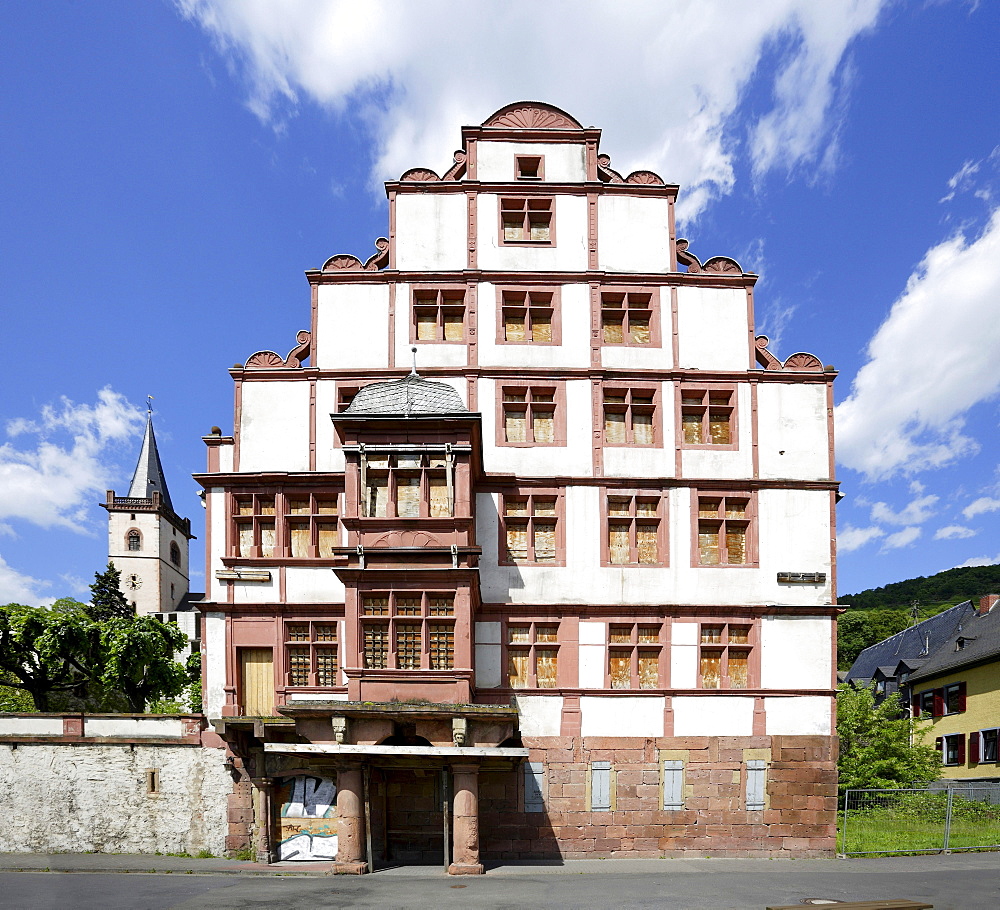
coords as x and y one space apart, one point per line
609 715
713 328
713 715
568 254
488 666
683 655
794 537
274 430
794 435
312 585
92 798
716 463
213 645
565 162
30 726
640 461
796 652
215 590
640 357
429 354
593 654
800 715
431 230
352 326
540 715
134 727
633 234
328 456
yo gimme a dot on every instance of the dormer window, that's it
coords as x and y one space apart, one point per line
529 167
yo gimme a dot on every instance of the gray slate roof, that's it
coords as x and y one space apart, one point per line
917 642
981 632
407 397
149 472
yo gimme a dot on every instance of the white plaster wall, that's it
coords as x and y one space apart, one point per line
328 456
226 457
431 230
794 430
540 461
216 500
794 534
31 726
92 798
683 655
257 592
568 254
429 354
796 652
540 715
134 727
713 329
640 461
313 585
593 654
574 350
274 430
633 234
609 715
801 715
564 162
713 715
352 326
213 646
488 667
640 357
722 464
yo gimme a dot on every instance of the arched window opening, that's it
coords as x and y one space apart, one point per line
175 554
134 539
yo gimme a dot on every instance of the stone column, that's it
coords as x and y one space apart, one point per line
350 823
465 851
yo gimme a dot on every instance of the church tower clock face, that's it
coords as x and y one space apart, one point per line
134 582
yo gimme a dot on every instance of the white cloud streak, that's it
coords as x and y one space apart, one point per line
665 81
850 538
901 539
913 513
981 506
953 532
932 359
15 587
55 481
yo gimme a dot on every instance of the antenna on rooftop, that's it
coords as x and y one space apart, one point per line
914 611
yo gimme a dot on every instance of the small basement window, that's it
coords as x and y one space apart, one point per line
152 781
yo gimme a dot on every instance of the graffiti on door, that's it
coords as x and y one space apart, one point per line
308 818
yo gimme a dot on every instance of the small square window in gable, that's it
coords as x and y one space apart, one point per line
529 167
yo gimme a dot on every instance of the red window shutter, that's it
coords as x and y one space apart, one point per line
961 749
938 709
961 696
974 750
916 706
939 745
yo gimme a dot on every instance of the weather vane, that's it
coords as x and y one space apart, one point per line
149 404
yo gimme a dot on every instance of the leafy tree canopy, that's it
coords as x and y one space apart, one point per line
951 586
860 629
876 751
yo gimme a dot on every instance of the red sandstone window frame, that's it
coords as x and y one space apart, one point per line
723 522
529 167
323 510
535 394
635 498
440 301
532 299
709 414
638 399
531 520
538 642
734 636
315 643
280 523
394 472
257 520
535 211
398 616
635 641
622 301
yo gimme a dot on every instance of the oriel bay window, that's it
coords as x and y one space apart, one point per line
530 528
439 314
724 529
707 416
627 317
408 484
629 416
532 654
634 656
724 655
528 316
529 415
634 527
311 648
408 631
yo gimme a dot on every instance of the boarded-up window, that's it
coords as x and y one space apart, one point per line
532 655
723 529
257 681
526 219
439 314
600 786
634 656
531 526
756 779
527 316
673 784
626 317
529 415
724 658
534 786
707 416
634 530
629 417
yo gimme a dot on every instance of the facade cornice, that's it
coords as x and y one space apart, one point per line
583 188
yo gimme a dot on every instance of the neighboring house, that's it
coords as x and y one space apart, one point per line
566 572
957 688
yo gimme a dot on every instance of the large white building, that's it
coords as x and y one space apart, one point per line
568 567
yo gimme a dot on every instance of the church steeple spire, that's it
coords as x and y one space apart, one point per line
149 472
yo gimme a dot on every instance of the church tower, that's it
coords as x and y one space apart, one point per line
147 539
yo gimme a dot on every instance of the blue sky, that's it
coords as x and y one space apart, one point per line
169 170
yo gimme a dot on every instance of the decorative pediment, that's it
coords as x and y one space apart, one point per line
532 115
800 361
605 172
407 539
719 265
269 360
645 178
348 262
420 175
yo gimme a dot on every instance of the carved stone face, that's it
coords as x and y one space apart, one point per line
459 737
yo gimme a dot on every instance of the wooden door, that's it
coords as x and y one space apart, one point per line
257 681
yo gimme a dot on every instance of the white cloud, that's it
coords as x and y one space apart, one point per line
850 538
932 359
18 588
961 179
953 532
665 81
55 481
981 506
901 539
914 513
980 561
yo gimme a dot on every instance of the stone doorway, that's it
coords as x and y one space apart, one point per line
408 816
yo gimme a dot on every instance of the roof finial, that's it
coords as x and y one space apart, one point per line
413 372
149 404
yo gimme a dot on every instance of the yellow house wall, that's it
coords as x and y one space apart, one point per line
982 712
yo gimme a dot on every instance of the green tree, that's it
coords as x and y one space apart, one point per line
880 745
860 629
137 659
106 598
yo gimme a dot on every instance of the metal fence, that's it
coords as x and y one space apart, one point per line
919 821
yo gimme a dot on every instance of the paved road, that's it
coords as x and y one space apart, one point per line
956 882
